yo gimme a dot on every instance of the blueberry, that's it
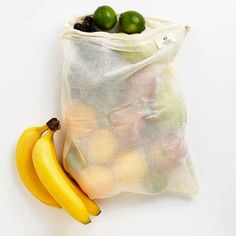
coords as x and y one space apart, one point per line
88 20
86 25
81 27
78 26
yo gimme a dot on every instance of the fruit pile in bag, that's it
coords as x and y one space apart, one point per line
122 106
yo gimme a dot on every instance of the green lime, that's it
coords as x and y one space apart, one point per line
105 17
132 22
155 183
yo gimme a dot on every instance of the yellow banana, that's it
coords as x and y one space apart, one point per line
25 166
92 207
52 176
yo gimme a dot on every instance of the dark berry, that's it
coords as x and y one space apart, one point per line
79 26
88 22
86 26
88 19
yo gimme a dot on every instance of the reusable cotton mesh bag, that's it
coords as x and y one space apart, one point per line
124 112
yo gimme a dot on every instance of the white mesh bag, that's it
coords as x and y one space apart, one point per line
124 112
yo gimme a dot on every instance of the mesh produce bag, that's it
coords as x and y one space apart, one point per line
124 112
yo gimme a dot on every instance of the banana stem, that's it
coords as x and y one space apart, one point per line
53 124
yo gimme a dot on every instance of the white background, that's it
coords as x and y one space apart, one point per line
30 69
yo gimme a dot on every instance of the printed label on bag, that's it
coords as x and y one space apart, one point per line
165 40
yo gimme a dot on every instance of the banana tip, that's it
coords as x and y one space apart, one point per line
99 213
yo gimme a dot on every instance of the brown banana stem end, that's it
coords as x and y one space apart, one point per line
53 124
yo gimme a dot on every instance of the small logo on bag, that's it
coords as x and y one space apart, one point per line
165 40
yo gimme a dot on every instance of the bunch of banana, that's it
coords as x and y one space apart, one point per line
42 174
